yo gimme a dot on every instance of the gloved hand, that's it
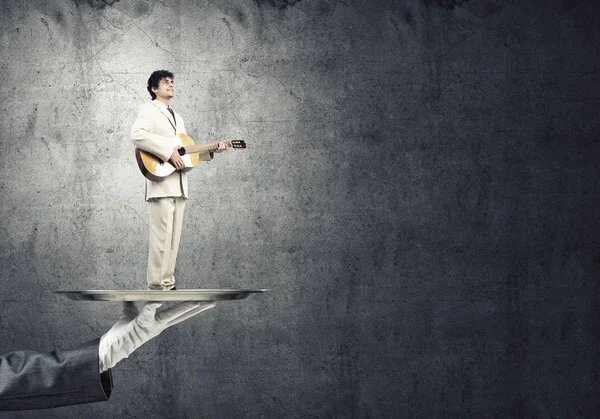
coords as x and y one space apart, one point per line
134 328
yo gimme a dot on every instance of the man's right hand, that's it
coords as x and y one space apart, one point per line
176 159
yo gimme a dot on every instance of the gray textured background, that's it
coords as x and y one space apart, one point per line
420 193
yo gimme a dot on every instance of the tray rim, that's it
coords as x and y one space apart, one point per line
159 295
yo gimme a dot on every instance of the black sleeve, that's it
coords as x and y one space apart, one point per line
33 380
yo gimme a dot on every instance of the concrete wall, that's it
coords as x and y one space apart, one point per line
420 194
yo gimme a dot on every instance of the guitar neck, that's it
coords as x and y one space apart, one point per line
197 148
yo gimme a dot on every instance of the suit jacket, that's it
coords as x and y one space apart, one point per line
155 131
33 380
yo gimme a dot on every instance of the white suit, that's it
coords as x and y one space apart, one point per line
155 131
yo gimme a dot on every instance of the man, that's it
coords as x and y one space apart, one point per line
156 131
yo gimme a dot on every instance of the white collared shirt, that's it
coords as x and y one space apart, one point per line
161 104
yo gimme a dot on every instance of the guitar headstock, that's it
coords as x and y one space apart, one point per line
238 144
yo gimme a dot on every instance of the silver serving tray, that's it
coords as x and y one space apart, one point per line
147 295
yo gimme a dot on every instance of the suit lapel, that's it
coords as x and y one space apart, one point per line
168 115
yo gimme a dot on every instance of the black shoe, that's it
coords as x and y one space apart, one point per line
173 289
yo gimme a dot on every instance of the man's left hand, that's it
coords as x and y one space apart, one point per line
222 147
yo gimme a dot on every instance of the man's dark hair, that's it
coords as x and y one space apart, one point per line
155 79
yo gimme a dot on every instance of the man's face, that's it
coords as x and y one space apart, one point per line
166 89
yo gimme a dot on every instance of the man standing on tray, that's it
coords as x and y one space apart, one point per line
156 131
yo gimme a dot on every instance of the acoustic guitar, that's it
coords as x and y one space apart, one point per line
156 170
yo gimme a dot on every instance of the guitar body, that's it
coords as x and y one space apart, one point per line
156 170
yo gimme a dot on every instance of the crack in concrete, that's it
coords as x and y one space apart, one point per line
77 319
455 46
136 213
286 88
212 215
398 32
230 31
136 20
115 81
46 25
236 118
109 22
228 104
94 54
156 43
217 7
485 28
2 306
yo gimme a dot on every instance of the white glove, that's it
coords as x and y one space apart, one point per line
134 328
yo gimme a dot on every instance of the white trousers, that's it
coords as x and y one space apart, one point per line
166 219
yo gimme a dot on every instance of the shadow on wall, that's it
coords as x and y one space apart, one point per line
57 9
280 4
98 4
446 4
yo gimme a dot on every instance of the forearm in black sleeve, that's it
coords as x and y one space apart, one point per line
33 380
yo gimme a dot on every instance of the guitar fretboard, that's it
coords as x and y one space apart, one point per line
197 148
